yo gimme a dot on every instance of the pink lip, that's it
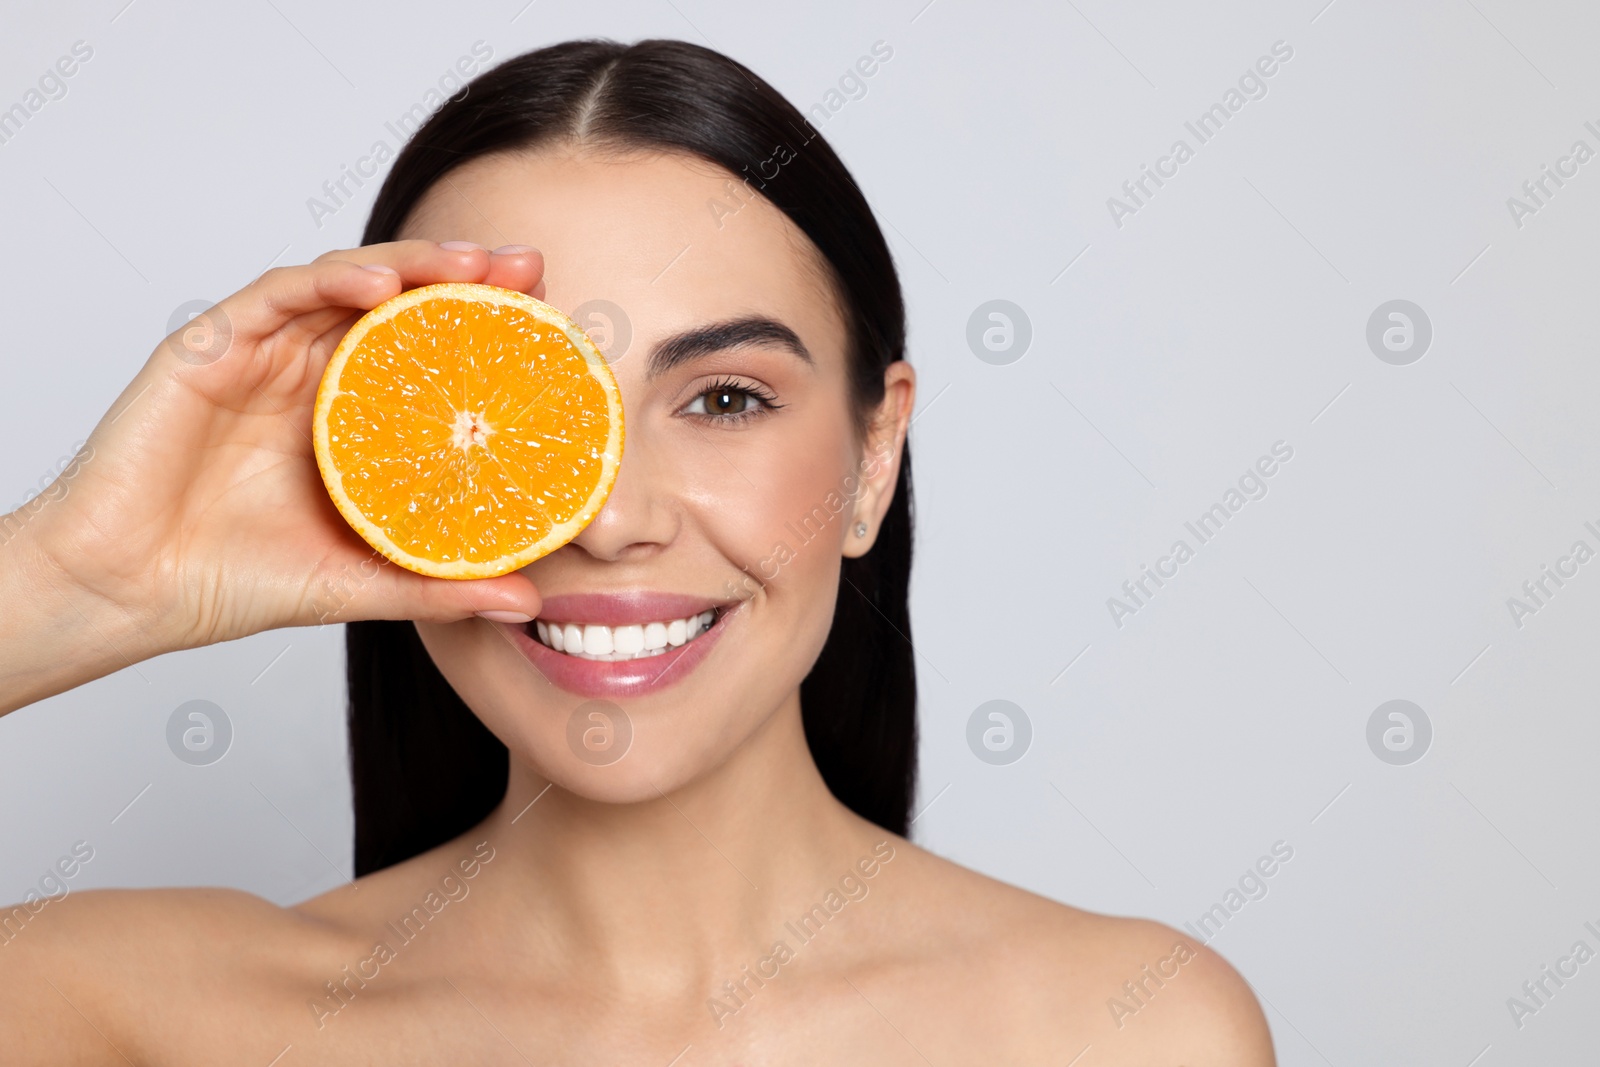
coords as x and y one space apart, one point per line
623 678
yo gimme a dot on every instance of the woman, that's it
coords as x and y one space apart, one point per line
692 856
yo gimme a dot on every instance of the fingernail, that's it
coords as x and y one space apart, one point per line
514 250
505 616
460 246
378 268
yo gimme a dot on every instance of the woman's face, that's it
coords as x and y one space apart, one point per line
742 480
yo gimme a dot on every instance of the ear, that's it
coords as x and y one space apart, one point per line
879 468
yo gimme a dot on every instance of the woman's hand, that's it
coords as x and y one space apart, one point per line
196 513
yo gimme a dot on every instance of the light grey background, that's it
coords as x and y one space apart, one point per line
1167 354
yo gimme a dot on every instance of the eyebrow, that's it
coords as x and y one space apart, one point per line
717 336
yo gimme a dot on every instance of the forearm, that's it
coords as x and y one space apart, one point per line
53 634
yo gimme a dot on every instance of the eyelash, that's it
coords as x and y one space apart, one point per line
766 401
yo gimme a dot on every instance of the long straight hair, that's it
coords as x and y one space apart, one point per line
423 767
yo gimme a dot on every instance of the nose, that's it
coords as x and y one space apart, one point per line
641 516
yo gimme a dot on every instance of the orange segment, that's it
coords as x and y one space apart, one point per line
466 430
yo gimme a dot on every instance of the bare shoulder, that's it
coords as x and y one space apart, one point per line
112 975
421 886
1133 989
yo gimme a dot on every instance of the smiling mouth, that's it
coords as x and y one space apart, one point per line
610 644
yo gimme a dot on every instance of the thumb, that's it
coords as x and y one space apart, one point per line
508 598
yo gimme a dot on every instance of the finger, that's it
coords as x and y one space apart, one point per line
283 294
519 267
510 598
360 279
420 262
510 266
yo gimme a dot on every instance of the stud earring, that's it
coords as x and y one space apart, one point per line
861 529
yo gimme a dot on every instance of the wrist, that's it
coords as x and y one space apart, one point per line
55 633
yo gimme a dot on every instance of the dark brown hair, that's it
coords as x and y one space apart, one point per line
424 768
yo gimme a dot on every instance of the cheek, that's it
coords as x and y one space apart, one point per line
490 676
531 718
777 504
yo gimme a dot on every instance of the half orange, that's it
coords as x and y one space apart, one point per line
467 430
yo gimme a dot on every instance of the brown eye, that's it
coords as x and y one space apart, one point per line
726 401
730 402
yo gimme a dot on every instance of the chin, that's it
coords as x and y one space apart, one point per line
619 729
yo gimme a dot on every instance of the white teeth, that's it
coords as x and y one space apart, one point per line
655 636
597 640
633 641
628 639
